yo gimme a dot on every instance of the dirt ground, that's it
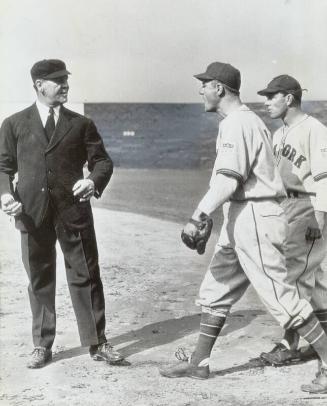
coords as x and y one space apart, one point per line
150 281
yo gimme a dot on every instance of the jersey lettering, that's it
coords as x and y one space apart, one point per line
290 153
299 161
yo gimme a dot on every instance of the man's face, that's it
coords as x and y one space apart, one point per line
277 105
54 91
209 92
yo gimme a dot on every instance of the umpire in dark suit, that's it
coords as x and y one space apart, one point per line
47 145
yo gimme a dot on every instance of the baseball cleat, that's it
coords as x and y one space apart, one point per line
280 355
318 385
185 370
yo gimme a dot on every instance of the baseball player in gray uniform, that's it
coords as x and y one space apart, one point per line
300 148
250 248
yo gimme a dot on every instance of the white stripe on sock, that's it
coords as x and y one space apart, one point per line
209 325
322 333
311 330
208 335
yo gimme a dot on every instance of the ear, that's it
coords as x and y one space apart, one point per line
289 99
38 84
220 89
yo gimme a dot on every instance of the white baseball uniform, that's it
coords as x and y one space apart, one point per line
301 155
251 244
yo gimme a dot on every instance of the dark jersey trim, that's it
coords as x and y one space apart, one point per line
232 173
320 176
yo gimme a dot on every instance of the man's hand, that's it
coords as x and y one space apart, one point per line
315 230
196 233
84 188
10 206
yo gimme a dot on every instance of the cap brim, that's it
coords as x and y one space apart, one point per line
203 76
58 74
268 90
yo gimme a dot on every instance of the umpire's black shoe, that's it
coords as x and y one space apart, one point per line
40 357
105 352
183 370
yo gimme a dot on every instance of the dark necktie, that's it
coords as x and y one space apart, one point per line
50 124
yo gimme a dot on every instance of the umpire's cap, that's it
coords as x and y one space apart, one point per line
224 73
49 69
282 83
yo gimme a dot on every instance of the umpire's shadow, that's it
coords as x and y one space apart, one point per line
164 332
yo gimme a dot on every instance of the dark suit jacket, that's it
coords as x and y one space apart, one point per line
48 171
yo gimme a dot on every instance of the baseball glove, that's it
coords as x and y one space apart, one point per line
198 240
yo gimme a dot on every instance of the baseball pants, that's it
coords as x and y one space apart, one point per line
250 250
304 258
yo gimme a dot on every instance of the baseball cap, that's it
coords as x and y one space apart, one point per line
224 72
49 69
282 83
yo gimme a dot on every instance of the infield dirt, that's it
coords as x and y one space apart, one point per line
150 281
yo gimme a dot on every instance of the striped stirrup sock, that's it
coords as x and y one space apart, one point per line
312 331
210 327
322 317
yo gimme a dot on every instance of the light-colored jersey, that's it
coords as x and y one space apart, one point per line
244 151
301 154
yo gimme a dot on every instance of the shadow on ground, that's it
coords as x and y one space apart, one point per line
164 332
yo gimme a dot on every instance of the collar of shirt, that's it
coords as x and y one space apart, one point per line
44 112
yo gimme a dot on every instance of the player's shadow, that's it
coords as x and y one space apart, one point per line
164 332
253 363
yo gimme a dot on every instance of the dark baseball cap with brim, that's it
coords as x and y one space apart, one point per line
224 73
49 69
282 83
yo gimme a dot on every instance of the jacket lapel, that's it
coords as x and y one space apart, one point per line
35 125
62 128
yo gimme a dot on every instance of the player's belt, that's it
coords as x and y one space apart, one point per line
294 194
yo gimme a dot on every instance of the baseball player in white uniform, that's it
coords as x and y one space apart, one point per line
300 148
250 248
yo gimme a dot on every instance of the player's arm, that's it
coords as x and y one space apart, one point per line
197 231
316 230
318 159
221 189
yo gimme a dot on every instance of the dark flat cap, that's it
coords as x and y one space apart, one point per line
223 72
49 69
282 83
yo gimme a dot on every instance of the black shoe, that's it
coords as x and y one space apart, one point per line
183 369
280 355
105 352
318 385
40 357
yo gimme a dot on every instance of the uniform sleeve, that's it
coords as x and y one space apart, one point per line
321 195
236 151
318 159
318 152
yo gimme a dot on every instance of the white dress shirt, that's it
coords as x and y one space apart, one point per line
44 112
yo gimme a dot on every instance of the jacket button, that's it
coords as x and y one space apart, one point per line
42 190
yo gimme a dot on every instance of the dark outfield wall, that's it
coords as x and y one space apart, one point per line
175 136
